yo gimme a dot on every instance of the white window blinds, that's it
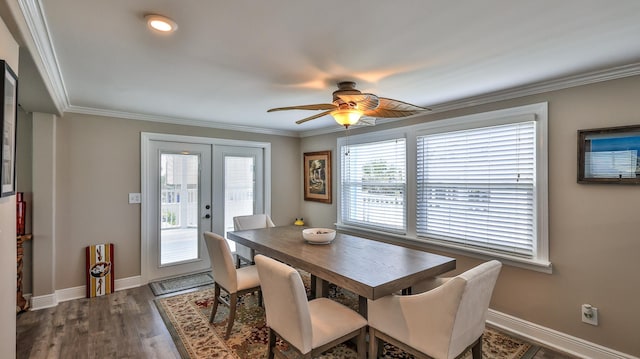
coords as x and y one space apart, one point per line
373 185
475 188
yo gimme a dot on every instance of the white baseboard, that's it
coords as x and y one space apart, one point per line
43 301
63 295
552 338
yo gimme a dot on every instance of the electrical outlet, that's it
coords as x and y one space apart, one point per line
589 314
134 198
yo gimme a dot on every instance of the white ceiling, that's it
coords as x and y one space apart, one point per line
230 61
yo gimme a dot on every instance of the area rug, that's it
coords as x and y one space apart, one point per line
187 319
177 284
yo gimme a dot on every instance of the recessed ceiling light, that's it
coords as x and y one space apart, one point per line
161 23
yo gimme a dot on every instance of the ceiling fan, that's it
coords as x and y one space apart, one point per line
349 105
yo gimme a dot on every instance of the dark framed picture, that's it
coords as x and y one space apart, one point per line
317 176
609 155
8 123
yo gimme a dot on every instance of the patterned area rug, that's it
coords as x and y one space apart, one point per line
172 285
187 318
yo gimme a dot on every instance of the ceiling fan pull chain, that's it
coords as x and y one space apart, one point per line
346 146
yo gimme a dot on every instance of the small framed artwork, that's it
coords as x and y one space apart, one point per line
317 176
609 155
8 123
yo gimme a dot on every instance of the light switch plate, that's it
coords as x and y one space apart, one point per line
134 198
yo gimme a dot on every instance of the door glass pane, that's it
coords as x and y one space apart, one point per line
239 185
178 208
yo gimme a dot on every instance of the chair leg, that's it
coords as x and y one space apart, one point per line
233 303
216 301
272 344
362 343
238 261
476 349
373 344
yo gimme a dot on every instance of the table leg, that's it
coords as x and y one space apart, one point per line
362 306
319 287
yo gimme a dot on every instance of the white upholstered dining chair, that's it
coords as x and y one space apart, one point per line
311 327
443 322
253 221
234 281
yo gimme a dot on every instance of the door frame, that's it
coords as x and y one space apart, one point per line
145 175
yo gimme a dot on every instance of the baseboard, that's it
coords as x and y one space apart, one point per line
63 295
43 301
552 338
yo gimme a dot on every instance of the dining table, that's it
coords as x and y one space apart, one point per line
367 267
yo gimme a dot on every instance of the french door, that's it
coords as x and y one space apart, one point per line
191 185
181 208
239 186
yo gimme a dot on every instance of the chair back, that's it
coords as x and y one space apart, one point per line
222 266
253 221
470 319
285 302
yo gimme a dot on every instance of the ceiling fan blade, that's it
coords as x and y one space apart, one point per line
365 101
314 116
389 108
366 122
320 106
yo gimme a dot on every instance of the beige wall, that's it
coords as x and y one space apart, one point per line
23 184
593 229
8 53
98 164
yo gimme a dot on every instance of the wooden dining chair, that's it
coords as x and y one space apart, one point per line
234 281
253 221
441 323
311 327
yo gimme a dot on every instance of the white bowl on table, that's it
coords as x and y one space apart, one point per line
318 235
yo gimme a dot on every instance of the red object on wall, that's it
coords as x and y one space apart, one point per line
21 212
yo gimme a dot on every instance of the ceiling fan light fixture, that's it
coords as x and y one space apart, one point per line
346 117
161 23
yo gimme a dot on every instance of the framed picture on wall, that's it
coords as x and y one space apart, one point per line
8 123
317 176
609 155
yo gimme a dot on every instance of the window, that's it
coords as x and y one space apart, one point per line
474 185
373 185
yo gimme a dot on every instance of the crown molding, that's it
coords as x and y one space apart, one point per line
39 31
176 121
561 83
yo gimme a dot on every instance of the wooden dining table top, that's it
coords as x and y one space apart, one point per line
369 268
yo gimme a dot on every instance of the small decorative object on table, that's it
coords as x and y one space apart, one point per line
299 222
318 235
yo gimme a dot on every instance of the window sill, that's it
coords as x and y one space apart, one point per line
412 242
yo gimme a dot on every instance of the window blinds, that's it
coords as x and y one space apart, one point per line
475 188
373 185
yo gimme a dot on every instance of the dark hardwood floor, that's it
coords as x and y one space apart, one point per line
124 324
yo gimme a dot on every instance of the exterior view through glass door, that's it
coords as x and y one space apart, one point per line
179 183
241 185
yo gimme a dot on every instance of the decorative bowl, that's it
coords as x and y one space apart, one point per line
318 235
